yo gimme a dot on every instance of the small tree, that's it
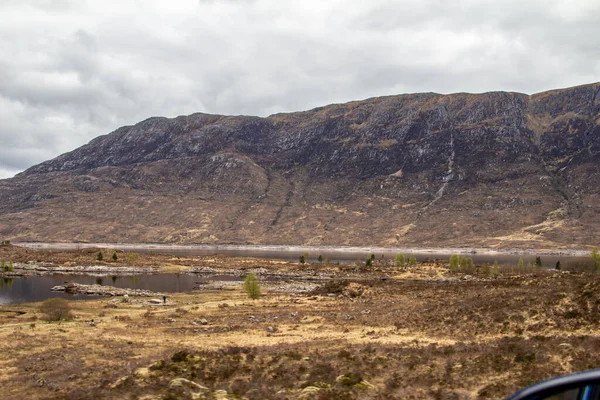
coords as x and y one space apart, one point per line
369 261
495 267
400 260
320 258
464 263
306 256
521 263
56 309
538 261
557 267
302 260
596 257
454 262
114 257
470 263
252 286
99 257
412 260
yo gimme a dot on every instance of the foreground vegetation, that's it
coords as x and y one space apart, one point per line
424 331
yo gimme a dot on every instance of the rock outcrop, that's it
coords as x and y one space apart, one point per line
493 169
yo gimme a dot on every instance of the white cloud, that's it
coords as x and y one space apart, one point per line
71 70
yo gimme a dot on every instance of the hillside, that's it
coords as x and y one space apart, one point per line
494 169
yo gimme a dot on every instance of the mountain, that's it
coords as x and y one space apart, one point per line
493 169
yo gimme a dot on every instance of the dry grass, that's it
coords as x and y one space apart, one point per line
424 334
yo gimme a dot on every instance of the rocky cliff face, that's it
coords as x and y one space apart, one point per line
494 169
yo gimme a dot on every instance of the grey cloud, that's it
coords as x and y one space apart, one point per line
71 70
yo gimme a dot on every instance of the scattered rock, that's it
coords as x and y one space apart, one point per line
76 288
122 381
182 388
309 392
203 321
354 290
221 395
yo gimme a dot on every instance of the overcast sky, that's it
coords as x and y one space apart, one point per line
71 70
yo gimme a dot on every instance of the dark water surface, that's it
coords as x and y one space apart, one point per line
38 288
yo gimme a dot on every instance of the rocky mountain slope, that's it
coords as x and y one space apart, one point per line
493 169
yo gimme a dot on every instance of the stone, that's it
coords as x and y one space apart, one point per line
186 383
308 392
221 395
122 381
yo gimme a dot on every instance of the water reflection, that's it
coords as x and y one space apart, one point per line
38 288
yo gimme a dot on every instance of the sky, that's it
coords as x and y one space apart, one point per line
71 70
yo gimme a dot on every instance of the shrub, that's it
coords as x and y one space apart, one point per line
486 269
320 258
252 286
538 261
400 260
412 260
464 263
115 257
99 257
470 263
454 261
596 257
7 267
495 267
369 261
302 260
521 263
56 309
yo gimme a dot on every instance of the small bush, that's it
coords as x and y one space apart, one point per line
7 267
400 260
252 286
320 258
115 257
302 259
412 260
56 309
369 261
454 262
538 261
596 257
99 257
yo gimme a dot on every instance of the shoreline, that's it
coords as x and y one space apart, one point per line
246 250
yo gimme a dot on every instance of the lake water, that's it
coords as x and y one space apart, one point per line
37 288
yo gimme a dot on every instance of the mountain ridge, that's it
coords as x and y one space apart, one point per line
420 168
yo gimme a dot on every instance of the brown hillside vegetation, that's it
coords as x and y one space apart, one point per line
495 169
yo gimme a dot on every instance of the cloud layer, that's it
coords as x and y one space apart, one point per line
71 70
